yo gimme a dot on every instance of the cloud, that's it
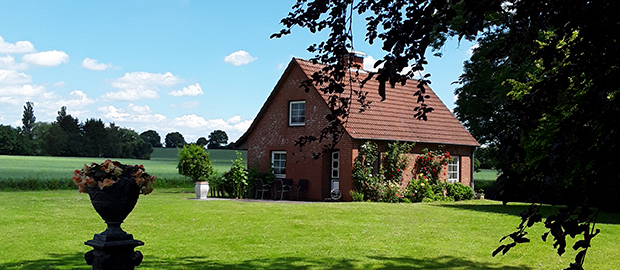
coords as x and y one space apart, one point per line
239 58
471 49
369 64
140 85
26 90
92 64
139 109
233 124
190 104
192 90
47 58
136 114
131 95
17 47
13 77
8 62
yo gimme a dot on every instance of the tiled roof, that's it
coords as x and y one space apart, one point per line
393 118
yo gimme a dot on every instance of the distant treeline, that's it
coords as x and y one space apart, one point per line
68 137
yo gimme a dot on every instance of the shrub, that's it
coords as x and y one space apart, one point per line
459 192
356 196
237 178
194 163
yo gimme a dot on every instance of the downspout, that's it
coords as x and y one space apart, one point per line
473 157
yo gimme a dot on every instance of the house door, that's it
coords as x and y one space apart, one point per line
335 175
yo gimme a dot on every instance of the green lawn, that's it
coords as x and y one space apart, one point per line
485 174
47 229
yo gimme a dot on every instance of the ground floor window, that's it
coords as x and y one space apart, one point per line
278 163
453 170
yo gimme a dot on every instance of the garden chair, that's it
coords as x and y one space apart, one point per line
260 187
302 186
280 187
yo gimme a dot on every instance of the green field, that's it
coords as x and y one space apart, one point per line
485 174
47 229
162 164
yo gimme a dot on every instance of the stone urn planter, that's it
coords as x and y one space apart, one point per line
113 189
114 204
201 189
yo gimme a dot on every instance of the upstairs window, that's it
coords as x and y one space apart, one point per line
453 170
297 113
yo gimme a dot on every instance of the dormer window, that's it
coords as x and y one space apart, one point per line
297 113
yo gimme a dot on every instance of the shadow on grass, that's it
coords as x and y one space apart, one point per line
76 261
515 210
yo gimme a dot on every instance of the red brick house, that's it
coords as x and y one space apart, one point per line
290 113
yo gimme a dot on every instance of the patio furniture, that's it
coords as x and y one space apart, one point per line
302 186
260 187
282 186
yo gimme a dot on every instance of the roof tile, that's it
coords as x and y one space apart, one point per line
393 118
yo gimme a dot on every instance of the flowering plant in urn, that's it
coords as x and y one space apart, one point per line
109 173
113 188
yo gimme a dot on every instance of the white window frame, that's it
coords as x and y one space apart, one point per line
453 170
335 164
278 170
298 113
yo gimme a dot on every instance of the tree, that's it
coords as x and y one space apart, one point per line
71 144
113 147
8 140
152 137
133 146
561 137
217 138
174 139
194 163
95 137
202 141
28 119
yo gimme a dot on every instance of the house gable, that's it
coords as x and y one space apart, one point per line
393 118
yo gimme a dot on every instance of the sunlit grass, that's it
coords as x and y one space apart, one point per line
46 230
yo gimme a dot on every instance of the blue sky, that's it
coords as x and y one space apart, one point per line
186 66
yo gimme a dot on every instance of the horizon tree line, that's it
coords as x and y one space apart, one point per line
67 136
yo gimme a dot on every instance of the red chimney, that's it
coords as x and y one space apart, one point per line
357 59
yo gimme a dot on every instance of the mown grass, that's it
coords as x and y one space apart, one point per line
46 230
43 173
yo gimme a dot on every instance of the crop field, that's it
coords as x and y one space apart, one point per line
162 164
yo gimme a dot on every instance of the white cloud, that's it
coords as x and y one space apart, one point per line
133 114
239 58
190 104
139 109
232 125
140 85
47 58
59 84
13 77
93 64
369 64
8 62
79 100
22 90
471 49
131 95
17 47
111 112
234 120
192 90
